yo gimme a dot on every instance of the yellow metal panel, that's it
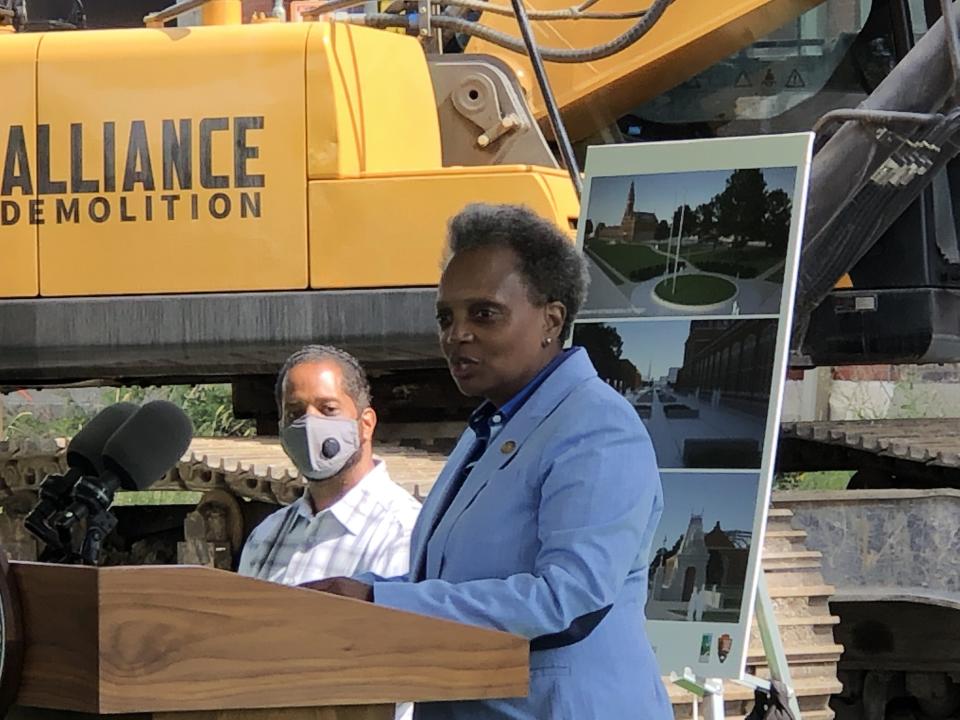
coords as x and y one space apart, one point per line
193 174
334 126
691 36
222 12
398 109
370 102
389 231
18 237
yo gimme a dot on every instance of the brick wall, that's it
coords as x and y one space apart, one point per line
889 373
257 6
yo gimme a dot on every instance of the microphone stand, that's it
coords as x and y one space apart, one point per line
54 495
92 500
56 555
98 527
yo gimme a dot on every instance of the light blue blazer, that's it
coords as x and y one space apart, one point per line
551 526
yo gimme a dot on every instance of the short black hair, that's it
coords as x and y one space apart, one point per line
551 266
355 381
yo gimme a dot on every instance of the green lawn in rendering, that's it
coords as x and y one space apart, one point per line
633 262
695 290
745 262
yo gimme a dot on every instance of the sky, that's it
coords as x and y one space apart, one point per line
662 193
730 498
654 346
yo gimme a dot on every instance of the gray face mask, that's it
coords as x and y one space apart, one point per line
320 446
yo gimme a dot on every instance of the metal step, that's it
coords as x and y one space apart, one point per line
792 560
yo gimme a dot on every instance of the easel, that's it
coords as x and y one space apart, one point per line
710 690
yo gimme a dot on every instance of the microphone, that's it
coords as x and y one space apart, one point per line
83 458
148 445
139 453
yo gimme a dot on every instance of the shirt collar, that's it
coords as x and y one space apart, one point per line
488 414
351 510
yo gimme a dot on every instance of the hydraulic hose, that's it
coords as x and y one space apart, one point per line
557 55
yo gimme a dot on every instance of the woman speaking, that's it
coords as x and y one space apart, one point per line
541 521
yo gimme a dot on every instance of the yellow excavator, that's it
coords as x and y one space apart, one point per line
191 203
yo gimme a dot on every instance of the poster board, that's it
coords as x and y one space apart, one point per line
693 249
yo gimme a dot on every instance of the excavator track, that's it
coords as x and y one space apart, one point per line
232 471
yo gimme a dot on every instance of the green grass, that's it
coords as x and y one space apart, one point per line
826 480
209 407
606 269
755 260
695 290
627 259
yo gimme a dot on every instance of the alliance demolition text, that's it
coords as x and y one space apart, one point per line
89 182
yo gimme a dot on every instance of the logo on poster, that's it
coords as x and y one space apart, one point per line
724 646
706 642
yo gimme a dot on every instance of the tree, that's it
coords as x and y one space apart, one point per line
689 220
663 230
777 220
605 346
707 220
742 207
588 229
592 235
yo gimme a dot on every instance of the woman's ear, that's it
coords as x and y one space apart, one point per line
554 315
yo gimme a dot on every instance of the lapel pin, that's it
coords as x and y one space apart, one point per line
508 447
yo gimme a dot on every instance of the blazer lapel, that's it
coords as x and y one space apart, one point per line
435 500
573 371
474 483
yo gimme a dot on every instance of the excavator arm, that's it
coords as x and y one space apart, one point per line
604 57
689 37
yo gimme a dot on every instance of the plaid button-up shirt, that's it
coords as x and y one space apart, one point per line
367 530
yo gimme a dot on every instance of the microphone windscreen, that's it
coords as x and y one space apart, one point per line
85 450
148 445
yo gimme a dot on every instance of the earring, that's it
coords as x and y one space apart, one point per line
546 341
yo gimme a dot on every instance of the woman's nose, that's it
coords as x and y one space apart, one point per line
456 333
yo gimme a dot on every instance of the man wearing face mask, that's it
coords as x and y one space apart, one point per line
352 518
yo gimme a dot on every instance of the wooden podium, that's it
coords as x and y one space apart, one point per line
193 643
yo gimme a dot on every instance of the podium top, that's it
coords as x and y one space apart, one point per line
174 638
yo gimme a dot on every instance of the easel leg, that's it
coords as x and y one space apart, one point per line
772 644
713 702
710 691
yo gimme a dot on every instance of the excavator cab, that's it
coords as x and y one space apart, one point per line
781 83
900 300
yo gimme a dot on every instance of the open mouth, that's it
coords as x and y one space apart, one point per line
461 367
